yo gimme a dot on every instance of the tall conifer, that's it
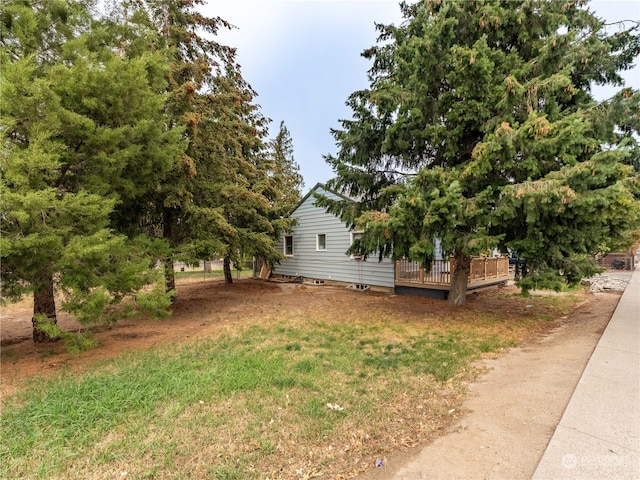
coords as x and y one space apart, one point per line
82 130
480 128
215 200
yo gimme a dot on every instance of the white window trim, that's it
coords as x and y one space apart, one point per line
351 235
284 246
318 249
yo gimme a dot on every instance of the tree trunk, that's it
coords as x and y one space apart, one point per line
460 279
44 303
169 277
167 233
228 278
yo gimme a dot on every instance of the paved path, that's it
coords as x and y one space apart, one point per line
578 387
598 436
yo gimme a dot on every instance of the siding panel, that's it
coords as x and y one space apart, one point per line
332 264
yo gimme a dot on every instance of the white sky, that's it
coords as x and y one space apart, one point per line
303 59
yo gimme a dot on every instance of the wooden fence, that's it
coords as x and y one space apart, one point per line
609 260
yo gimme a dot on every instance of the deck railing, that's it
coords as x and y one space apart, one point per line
483 270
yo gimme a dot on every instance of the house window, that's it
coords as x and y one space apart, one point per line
356 236
288 245
321 242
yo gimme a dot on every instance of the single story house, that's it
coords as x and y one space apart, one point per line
315 252
315 249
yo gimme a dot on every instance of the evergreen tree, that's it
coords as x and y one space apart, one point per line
82 133
186 40
284 173
480 128
284 188
232 176
216 200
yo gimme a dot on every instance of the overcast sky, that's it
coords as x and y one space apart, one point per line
303 59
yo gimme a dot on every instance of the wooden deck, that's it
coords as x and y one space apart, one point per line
484 271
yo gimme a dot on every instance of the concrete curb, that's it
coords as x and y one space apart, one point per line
598 436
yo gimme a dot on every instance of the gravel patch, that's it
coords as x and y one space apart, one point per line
604 282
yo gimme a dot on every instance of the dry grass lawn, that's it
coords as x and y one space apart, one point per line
254 380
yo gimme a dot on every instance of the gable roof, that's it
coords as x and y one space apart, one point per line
323 187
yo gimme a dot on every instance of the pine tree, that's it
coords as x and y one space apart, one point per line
284 173
187 41
216 200
232 175
81 129
479 127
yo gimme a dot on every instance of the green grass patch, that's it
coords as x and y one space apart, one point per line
228 407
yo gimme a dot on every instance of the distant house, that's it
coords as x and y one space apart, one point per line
315 252
315 249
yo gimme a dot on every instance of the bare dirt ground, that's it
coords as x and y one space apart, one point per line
501 429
